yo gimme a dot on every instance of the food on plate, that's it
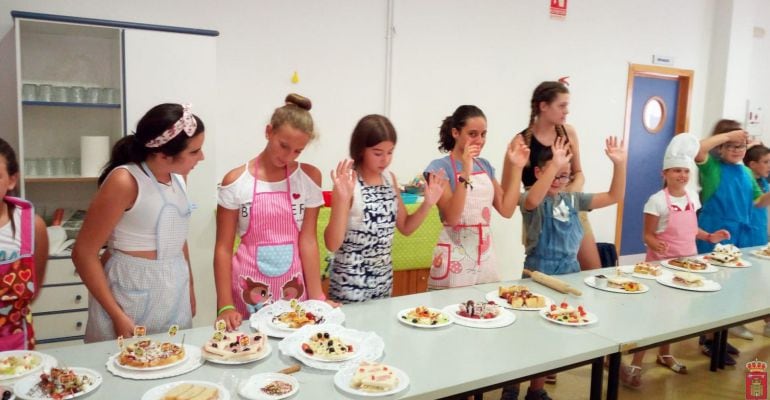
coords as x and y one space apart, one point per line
644 268
149 353
277 388
519 296
619 282
60 383
726 254
687 279
235 345
17 365
566 313
480 310
688 263
188 391
325 346
765 251
374 377
297 317
424 316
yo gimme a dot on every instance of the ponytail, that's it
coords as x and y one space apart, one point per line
126 150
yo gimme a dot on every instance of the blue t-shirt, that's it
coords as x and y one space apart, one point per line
445 163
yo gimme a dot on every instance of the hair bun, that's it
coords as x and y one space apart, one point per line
299 101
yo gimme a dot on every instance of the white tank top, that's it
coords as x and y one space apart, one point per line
136 229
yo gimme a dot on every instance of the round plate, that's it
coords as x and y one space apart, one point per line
709 269
493 296
708 285
758 253
213 358
192 363
348 356
157 392
155 368
370 345
343 377
629 270
406 311
452 309
504 319
26 388
252 387
20 353
591 281
741 263
592 319
262 320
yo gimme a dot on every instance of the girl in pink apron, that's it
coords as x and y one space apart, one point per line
142 212
272 202
670 230
23 255
464 254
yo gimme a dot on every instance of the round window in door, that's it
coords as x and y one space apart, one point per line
654 114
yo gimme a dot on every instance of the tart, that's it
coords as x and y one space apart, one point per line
374 377
150 353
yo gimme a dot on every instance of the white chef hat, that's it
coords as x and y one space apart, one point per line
681 151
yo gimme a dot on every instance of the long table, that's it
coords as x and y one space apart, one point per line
457 361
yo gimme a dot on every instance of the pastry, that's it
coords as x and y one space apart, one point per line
150 353
644 268
519 296
726 254
324 346
187 391
688 263
374 377
230 345
481 310
619 282
687 279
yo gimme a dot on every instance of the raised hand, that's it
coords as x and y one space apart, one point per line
614 150
435 186
344 180
561 153
470 152
518 152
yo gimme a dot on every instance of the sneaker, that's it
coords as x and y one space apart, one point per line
539 394
741 332
510 393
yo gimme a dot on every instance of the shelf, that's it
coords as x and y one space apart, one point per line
67 104
61 179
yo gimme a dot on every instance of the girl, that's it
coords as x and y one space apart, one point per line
464 255
548 113
366 209
272 202
142 212
23 255
670 230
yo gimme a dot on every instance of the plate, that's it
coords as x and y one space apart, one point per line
192 362
708 285
348 356
26 388
758 253
371 346
252 387
744 263
629 270
504 319
492 296
591 281
344 376
709 269
402 314
213 358
452 309
155 368
20 353
592 319
157 392
262 320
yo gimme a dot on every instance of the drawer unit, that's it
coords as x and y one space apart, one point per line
56 326
60 271
61 298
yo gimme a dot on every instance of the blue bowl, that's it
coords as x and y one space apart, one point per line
409 198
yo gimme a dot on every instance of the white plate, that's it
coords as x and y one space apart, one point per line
493 296
262 320
708 285
20 353
709 269
629 269
252 387
213 358
348 356
591 281
401 314
757 253
452 309
344 376
744 263
193 361
504 319
157 392
26 388
592 319
159 367
370 348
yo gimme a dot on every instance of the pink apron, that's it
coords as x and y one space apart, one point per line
267 266
17 286
464 255
680 232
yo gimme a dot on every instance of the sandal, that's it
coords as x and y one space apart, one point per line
550 379
631 376
668 361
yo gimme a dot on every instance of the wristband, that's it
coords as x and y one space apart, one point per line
225 308
466 182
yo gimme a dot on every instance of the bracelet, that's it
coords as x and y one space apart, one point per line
466 182
225 308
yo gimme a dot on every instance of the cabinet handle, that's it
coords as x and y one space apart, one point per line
78 298
79 324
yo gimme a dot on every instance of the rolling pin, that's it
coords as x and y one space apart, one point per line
551 282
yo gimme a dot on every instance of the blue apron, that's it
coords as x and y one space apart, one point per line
560 237
730 207
758 230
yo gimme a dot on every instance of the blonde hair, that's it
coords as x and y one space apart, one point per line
296 112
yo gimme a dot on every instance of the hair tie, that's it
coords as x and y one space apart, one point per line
186 124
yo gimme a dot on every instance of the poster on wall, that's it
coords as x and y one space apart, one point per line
558 9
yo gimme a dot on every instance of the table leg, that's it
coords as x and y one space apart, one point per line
613 376
597 378
722 349
717 337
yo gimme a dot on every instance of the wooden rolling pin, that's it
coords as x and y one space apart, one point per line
551 282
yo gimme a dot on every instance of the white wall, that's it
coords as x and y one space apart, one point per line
759 83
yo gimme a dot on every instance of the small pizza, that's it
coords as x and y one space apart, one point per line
62 383
233 345
150 353
326 347
374 377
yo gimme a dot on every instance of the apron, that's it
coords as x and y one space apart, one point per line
560 237
267 266
463 255
680 232
362 269
18 286
757 235
728 208
153 293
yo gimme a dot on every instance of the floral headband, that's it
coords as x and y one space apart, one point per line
187 123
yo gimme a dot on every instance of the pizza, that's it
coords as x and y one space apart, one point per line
149 353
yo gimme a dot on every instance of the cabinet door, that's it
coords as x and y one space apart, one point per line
163 67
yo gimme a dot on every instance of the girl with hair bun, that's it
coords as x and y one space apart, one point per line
142 212
272 203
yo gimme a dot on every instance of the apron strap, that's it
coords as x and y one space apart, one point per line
27 228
